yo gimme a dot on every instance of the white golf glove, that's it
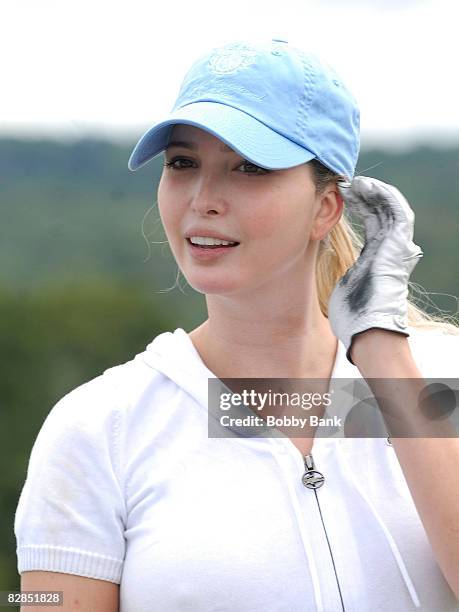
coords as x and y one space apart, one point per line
374 291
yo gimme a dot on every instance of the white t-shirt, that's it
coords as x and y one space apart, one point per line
124 484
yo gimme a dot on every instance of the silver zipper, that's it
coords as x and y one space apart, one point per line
312 478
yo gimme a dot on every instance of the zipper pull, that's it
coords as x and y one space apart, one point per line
312 479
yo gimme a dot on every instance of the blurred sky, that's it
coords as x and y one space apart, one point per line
72 68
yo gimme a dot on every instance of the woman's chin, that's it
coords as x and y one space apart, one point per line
220 285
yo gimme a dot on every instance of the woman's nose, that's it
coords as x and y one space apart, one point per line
207 197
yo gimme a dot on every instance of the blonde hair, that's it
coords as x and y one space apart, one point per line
339 251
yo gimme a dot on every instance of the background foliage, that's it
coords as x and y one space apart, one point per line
81 290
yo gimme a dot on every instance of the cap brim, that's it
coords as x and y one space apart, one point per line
247 136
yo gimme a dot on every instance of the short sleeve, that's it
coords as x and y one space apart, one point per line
436 353
71 513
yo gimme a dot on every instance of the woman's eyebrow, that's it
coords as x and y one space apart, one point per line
191 145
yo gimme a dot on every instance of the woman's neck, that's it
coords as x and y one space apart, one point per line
289 347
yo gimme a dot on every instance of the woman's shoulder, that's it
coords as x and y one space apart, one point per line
103 400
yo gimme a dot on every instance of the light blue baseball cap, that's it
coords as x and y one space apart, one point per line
272 103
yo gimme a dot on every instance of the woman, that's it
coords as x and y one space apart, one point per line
129 500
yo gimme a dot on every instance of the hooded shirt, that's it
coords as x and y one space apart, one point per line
125 484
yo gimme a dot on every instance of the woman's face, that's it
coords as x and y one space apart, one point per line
276 216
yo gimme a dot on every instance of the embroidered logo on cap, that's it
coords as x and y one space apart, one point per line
231 58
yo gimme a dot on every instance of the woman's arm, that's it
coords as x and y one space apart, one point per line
80 593
430 464
368 312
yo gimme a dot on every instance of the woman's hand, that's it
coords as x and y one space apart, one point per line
373 292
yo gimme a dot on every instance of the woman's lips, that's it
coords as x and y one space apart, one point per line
208 252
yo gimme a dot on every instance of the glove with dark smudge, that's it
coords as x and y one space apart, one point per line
373 293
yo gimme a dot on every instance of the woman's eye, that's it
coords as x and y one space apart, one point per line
172 162
254 167
249 167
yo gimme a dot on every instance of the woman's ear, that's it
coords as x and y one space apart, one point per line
329 212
